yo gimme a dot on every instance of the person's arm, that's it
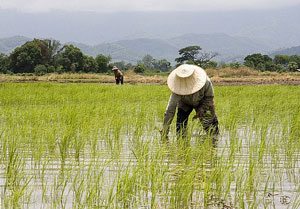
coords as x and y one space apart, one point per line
208 94
207 102
169 114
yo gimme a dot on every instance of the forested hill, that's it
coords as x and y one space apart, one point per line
275 27
229 48
287 51
9 44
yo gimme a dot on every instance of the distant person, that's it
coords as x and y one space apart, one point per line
118 75
191 89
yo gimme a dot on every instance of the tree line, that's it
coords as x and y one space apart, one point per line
194 55
49 56
278 63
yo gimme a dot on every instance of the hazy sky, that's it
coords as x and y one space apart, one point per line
142 5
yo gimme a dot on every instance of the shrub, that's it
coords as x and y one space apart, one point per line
59 70
223 65
292 66
140 68
235 65
40 70
51 69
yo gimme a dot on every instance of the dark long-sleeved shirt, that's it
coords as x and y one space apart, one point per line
203 97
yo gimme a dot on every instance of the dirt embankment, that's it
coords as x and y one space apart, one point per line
242 76
246 76
257 80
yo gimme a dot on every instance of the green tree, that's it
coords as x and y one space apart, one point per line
295 58
292 66
48 49
188 54
90 64
210 64
45 52
271 66
258 61
193 55
152 64
120 65
266 58
148 61
103 62
281 59
204 60
53 47
4 63
278 67
140 68
261 67
162 65
71 58
24 58
61 62
253 60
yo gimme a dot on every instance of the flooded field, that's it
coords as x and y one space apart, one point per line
98 146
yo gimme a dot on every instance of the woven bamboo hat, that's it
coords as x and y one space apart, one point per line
186 79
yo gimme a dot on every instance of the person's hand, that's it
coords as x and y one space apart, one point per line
163 135
199 113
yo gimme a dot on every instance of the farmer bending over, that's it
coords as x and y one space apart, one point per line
191 89
118 75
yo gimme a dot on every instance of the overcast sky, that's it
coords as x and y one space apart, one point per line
142 5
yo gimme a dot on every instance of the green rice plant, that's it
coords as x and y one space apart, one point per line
126 188
98 145
78 189
59 195
16 184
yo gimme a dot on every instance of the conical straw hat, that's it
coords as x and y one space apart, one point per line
186 79
114 68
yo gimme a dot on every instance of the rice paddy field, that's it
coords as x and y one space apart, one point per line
99 146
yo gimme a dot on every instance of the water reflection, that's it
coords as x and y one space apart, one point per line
195 172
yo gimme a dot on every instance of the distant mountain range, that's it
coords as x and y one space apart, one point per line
287 51
272 27
229 48
129 36
9 44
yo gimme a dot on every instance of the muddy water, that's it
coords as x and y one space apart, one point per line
277 169
53 183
